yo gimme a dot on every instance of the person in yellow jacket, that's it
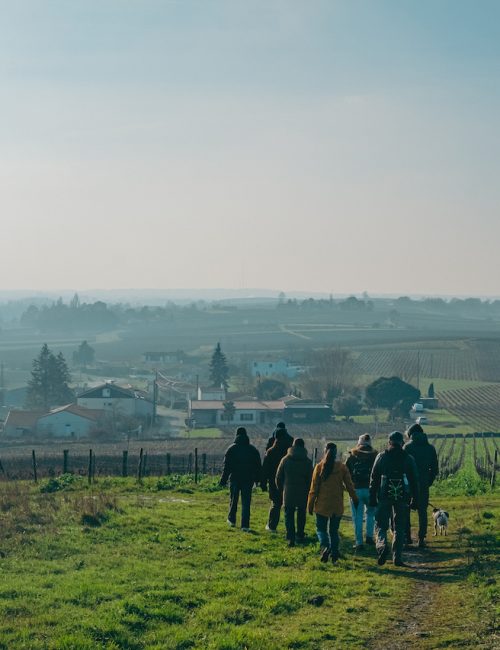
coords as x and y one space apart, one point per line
326 500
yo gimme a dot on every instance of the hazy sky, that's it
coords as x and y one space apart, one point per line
314 145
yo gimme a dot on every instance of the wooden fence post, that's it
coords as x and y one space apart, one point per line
315 456
494 469
203 463
139 466
144 463
168 465
33 460
196 464
65 461
190 463
125 463
93 467
89 469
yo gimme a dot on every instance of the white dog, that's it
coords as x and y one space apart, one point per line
440 521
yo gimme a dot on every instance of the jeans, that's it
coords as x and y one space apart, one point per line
399 512
246 496
423 503
358 515
290 522
275 509
327 530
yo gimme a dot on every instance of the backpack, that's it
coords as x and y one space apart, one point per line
361 470
394 484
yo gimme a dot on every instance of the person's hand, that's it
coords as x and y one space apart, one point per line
414 504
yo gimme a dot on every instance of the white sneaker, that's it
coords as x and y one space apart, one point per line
271 530
231 523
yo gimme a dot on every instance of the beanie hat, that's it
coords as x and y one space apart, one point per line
241 431
396 438
364 439
281 425
415 428
298 442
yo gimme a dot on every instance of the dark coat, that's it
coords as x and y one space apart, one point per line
270 465
360 463
241 463
425 457
293 477
394 457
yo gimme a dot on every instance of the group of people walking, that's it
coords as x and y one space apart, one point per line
382 487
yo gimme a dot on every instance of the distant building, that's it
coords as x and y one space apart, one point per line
114 399
21 423
70 421
307 413
281 368
211 393
210 413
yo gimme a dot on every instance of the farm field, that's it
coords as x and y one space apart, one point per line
151 566
477 406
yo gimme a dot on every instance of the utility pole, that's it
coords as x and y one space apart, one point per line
155 396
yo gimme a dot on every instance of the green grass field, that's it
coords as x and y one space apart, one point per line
121 565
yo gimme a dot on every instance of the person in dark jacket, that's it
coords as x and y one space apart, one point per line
269 468
280 425
293 480
426 460
242 467
360 463
393 483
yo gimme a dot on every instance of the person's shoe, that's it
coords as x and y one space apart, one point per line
270 530
370 541
358 547
382 555
291 543
245 530
421 543
325 554
399 563
231 523
336 557
300 539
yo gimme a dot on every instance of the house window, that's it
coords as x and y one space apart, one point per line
246 417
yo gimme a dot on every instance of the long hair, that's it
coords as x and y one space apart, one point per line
328 460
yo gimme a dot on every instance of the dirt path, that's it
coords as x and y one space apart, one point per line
412 624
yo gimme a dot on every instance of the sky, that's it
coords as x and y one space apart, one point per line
330 146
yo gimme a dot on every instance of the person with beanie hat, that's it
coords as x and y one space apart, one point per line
271 440
242 468
359 464
426 460
269 468
393 482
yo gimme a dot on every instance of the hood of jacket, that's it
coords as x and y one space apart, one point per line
419 438
242 439
297 453
363 451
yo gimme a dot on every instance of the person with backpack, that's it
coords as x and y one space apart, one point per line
242 467
326 498
272 439
269 468
393 485
359 464
426 460
293 479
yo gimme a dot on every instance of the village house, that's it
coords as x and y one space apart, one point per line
116 400
70 421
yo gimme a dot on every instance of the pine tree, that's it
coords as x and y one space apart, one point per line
85 354
49 381
219 372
